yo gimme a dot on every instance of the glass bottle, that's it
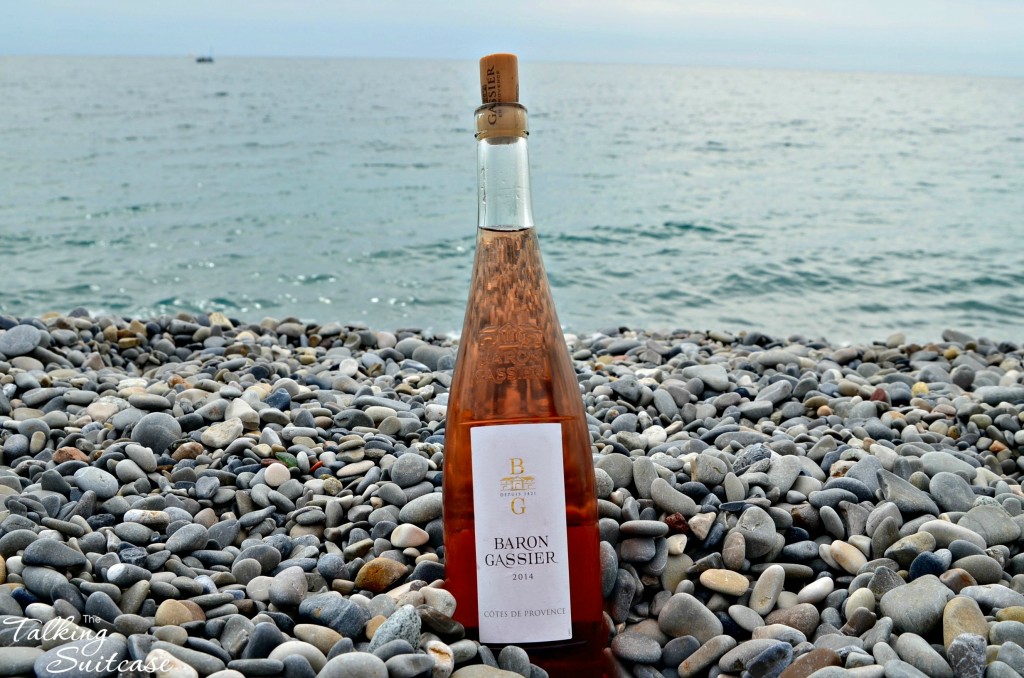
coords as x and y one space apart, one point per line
520 514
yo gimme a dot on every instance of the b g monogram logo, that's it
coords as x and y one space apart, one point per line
517 484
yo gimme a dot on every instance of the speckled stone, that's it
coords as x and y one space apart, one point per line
966 655
403 624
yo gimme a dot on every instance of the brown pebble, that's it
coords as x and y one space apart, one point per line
962 615
726 582
803 617
172 613
379 574
198 614
814 660
69 454
189 450
956 579
677 524
374 624
1015 613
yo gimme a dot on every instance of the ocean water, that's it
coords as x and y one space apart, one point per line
840 205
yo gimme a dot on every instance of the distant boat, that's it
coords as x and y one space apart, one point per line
208 59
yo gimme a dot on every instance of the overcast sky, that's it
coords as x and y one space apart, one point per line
932 36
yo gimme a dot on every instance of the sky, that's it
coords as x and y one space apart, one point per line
975 37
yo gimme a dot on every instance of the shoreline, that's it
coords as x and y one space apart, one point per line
199 493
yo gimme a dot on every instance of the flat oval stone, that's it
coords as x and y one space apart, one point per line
636 647
725 582
767 589
97 480
758 530
992 523
379 574
985 570
848 556
745 618
684 615
962 615
409 469
19 340
917 606
671 500
803 617
815 660
354 665
51 553
916 651
643 528
737 658
709 653
816 591
421 509
409 535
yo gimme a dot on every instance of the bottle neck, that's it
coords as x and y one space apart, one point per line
503 168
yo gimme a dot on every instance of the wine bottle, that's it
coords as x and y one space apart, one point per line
520 513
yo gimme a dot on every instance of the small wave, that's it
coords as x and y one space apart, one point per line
303 279
399 165
712 147
689 227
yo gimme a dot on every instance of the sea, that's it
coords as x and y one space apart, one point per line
831 205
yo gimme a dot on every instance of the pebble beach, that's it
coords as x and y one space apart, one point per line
190 496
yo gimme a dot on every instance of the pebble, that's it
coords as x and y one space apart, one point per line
92 479
276 475
917 606
156 431
684 615
403 624
708 654
51 553
188 538
19 340
222 433
354 665
767 589
724 582
636 647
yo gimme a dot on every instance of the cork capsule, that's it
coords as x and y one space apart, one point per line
499 79
501 114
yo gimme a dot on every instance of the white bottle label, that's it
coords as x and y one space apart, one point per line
522 551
